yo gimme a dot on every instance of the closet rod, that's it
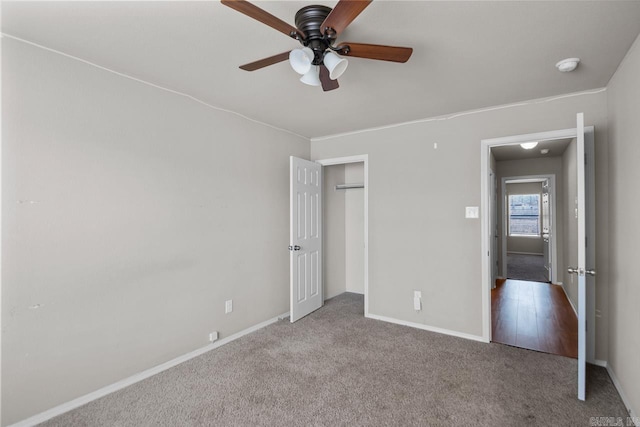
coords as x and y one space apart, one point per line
348 186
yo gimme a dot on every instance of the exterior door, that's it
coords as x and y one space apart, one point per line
585 270
306 294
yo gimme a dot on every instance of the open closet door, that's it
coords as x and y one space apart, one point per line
305 237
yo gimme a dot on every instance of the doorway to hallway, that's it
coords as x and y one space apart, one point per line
534 315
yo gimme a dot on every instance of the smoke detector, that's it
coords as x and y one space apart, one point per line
568 64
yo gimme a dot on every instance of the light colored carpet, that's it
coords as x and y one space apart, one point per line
336 367
526 267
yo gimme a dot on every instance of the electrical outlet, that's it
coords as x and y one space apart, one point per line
213 336
228 306
417 300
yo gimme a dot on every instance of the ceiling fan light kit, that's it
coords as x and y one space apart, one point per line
335 65
312 77
301 60
317 29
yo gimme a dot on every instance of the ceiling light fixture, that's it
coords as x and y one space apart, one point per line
301 60
544 151
312 78
568 64
529 145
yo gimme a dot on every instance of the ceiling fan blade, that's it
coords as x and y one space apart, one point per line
263 16
265 62
376 51
342 15
327 83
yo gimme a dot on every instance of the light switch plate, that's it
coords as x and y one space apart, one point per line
472 212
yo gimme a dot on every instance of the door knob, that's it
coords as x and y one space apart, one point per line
294 248
580 271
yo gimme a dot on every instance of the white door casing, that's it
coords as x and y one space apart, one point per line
493 215
306 293
586 238
546 227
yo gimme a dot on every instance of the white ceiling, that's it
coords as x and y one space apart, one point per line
467 55
556 148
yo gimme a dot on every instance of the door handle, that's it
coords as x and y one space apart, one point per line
294 248
581 272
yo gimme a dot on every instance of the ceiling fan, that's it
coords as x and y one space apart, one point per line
317 28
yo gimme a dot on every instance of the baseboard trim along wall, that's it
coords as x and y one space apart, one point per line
82 400
427 328
625 400
524 253
569 299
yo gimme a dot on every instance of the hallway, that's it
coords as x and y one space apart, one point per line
534 315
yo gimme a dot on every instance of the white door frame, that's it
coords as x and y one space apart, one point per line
363 158
485 150
505 213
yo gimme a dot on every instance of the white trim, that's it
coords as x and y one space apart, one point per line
554 214
166 89
284 315
524 253
601 363
82 400
361 158
427 328
569 299
623 396
1 240
460 114
485 149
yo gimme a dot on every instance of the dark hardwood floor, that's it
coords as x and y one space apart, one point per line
534 315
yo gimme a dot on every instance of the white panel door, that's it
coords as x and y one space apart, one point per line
585 270
305 237
546 227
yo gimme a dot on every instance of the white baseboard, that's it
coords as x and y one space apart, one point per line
428 328
601 363
625 400
524 253
569 299
75 403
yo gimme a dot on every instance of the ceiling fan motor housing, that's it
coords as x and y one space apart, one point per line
308 20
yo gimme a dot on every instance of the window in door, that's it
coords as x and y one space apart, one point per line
524 215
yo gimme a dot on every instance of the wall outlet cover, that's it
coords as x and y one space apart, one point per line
472 212
228 306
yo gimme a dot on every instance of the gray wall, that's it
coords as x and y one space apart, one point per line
129 215
570 222
354 229
334 255
623 97
417 196
343 230
529 244
539 166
